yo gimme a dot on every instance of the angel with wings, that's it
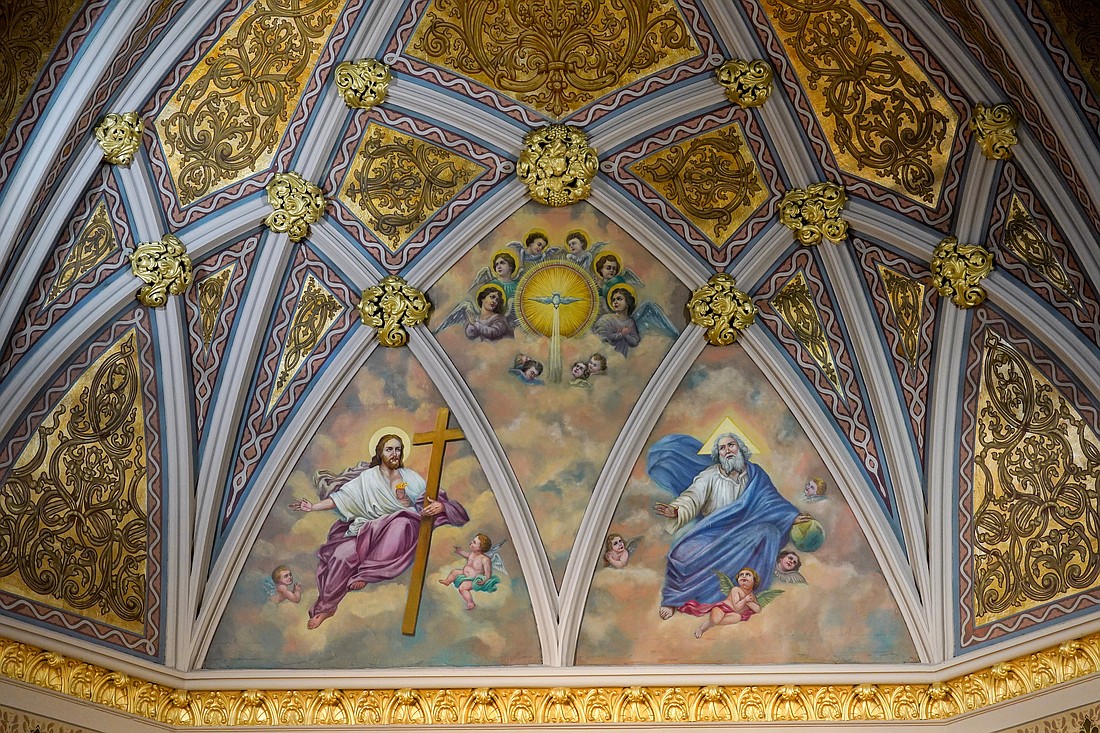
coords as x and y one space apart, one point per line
623 326
741 603
617 551
482 559
535 248
487 317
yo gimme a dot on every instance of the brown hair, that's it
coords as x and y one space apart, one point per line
483 541
276 571
377 460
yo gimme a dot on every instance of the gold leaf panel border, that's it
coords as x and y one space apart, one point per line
536 706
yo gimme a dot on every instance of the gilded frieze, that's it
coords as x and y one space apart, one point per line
74 510
958 269
165 268
391 307
363 84
795 305
813 213
747 83
906 298
1036 496
1024 239
995 129
711 179
212 291
314 313
96 241
722 309
225 120
30 30
398 181
555 56
557 165
884 119
521 707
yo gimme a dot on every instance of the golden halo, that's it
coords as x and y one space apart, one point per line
492 286
392 429
541 234
574 232
602 255
621 286
507 253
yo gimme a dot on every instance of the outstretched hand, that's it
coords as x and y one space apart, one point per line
665 510
301 505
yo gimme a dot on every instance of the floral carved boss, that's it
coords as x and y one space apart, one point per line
553 55
557 165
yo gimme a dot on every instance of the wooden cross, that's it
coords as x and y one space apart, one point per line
438 440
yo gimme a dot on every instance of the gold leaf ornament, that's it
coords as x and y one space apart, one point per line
557 165
722 309
165 267
957 270
363 84
814 212
747 83
296 203
995 128
391 306
120 137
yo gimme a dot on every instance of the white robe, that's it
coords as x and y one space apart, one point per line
710 491
369 496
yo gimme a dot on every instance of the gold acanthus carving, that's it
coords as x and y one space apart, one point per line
1023 238
814 212
363 84
165 267
722 309
295 204
747 83
1036 490
958 269
557 165
711 178
521 707
120 137
212 291
314 313
554 55
880 112
397 182
995 129
96 241
795 305
224 122
906 297
393 306
73 511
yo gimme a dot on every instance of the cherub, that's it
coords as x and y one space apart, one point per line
579 372
485 317
579 253
815 489
617 551
528 371
283 586
477 573
597 364
504 271
623 325
741 602
787 567
534 249
608 268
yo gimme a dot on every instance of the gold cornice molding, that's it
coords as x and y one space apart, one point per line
532 706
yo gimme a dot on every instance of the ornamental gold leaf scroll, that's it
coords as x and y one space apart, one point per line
795 305
884 119
73 512
212 290
314 313
225 120
711 179
96 241
906 298
1036 505
1024 239
553 55
398 182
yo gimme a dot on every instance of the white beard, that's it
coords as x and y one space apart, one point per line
732 464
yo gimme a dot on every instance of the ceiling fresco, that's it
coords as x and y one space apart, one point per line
877 498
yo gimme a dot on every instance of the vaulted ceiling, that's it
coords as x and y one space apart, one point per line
151 449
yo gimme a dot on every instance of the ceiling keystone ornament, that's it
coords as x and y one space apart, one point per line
391 306
296 203
996 130
120 137
363 84
814 212
557 165
722 309
165 267
957 270
747 83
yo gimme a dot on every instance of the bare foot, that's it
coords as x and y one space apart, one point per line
443 582
357 585
470 606
317 620
702 629
666 612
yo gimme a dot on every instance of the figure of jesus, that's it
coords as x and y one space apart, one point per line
379 506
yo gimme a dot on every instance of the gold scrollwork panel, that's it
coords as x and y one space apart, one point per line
1024 239
796 306
1036 506
96 241
906 298
519 707
73 512
314 313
